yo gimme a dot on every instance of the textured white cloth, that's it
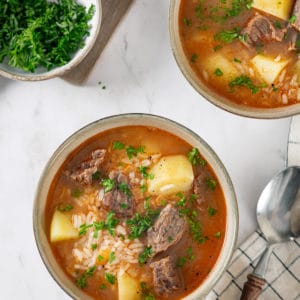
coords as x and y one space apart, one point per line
283 274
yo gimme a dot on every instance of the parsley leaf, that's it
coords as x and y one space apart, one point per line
108 184
81 281
131 151
118 145
195 158
65 208
110 278
143 257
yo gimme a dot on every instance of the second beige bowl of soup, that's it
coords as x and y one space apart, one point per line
135 206
242 58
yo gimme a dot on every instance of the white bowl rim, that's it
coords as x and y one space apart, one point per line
62 70
232 219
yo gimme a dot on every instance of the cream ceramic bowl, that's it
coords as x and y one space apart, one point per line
42 73
91 130
206 92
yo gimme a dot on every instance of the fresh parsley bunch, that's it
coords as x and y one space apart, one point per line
36 33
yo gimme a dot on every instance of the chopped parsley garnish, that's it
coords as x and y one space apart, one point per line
141 223
94 246
111 223
274 88
146 292
83 228
182 200
143 188
187 22
170 239
190 253
42 33
96 175
102 286
211 183
118 145
112 257
143 257
123 205
195 158
108 184
292 19
76 193
81 281
110 278
65 208
218 72
163 202
144 172
217 234
100 257
194 57
211 211
181 262
123 187
236 60
218 47
227 36
132 151
245 81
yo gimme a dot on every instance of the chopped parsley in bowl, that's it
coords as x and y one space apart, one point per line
42 39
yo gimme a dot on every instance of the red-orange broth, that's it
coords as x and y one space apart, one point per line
193 260
216 45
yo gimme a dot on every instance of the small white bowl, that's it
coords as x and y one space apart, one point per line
42 73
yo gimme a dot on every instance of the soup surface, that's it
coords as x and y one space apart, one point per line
136 213
246 51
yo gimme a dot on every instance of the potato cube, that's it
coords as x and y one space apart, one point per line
219 61
280 9
267 67
172 174
62 228
129 288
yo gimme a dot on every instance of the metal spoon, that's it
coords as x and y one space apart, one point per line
278 216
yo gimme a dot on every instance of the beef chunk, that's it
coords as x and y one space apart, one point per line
83 174
259 30
167 230
120 200
199 186
165 276
296 14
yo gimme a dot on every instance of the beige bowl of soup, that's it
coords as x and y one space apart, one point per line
130 196
220 60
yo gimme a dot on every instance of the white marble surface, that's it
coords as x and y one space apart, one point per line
141 75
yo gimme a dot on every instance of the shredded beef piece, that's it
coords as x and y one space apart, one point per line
118 201
83 174
167 230
296 13
259 30
165 276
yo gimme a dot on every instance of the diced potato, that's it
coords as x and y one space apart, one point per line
281 9
172 174
62 228
297 70
129 288
219 61
267 68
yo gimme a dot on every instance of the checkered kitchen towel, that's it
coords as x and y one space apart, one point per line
283 274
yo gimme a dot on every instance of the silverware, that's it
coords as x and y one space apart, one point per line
278 216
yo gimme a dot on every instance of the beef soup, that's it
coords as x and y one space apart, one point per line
246 51
136 213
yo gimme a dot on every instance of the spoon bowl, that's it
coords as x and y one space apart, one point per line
278 207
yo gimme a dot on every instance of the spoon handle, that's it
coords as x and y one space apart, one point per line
252 287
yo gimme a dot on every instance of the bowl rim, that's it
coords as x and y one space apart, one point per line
61 70
91 129
214 98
